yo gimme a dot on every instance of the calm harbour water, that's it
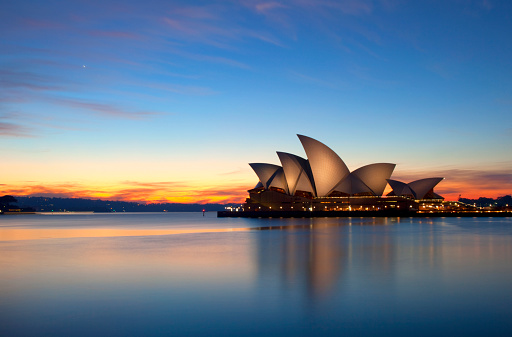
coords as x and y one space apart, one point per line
183 274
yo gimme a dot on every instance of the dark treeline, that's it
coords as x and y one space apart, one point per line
42 204
6 202
505 201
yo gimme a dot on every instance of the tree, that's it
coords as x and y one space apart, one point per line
6 200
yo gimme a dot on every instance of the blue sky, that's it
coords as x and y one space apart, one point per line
169 100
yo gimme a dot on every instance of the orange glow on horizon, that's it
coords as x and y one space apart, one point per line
449 190
135 192
471 184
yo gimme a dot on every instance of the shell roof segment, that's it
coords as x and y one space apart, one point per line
418 188
374 176
265 172
326 166
278 180
422 186
296 171
352 185
400 188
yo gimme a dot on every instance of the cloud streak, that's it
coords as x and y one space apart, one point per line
30 87
12 79
144 192
466 182
214 25
105 109
14 130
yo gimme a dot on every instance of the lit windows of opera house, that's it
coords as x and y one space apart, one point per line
324 182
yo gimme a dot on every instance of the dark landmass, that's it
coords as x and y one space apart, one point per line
505 201
42 204
8 203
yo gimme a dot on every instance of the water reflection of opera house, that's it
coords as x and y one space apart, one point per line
323 182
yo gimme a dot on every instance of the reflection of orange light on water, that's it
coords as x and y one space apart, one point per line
13 234
324 260
109 258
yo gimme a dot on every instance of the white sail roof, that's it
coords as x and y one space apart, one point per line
295 171
374 176
265 172
352 185
400 188
418 188
423 186
278 180
326 166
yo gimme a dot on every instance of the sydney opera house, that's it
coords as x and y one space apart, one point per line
323 182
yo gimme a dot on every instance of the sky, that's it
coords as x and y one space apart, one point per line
168 101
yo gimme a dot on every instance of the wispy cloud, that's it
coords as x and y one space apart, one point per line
115 34
469 183
237 171
282 12
49 190
316 81
215 25
487 4
14 130
38 23
106 109
12 79
345 22
182 89
352 7
366 75
222 194
264 7
210 58
145 192
30 87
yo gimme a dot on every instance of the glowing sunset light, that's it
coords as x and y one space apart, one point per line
169 102
131 191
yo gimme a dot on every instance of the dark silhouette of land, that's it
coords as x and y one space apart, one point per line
505 201
43 204
6 201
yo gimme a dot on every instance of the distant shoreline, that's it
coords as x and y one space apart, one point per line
339 214
16 213
94 212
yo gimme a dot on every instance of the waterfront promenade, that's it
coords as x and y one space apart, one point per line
338 214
